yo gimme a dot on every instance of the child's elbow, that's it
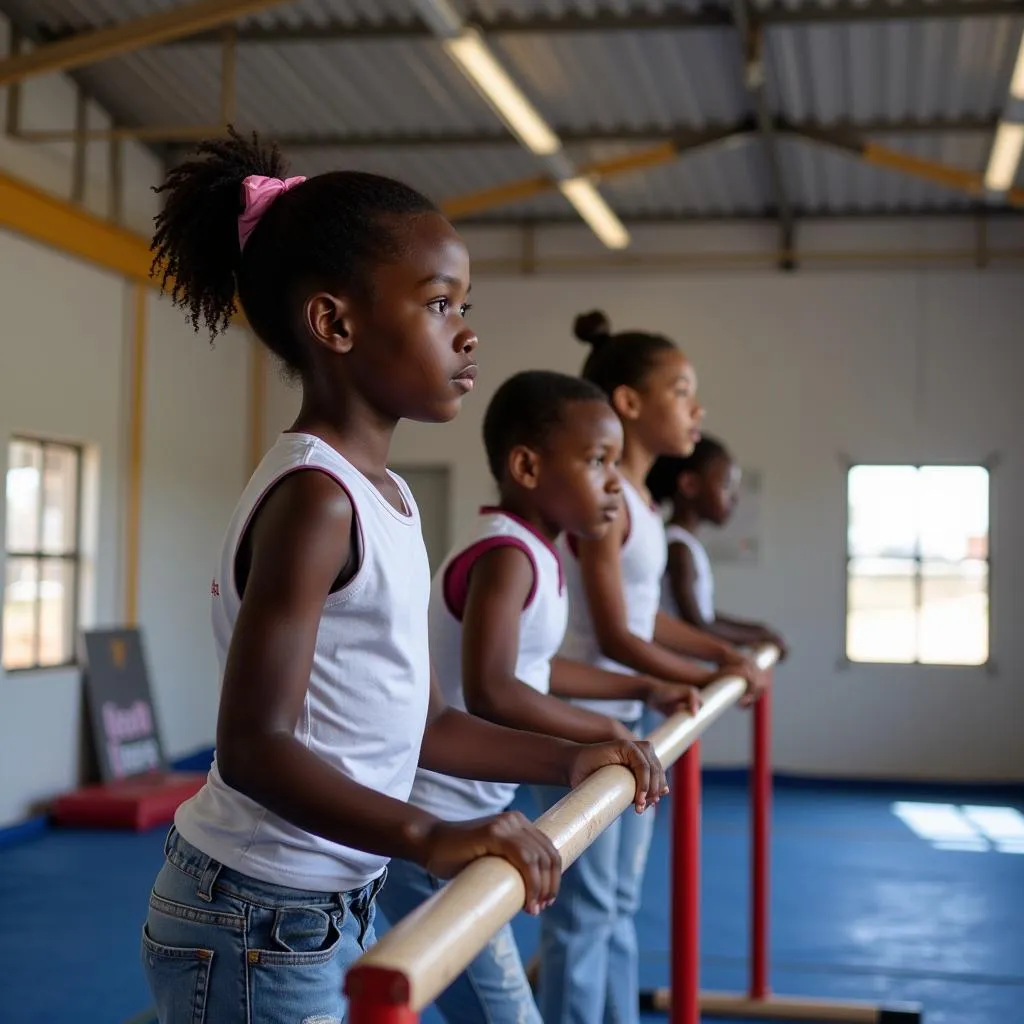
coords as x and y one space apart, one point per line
488 703
235 764
615 644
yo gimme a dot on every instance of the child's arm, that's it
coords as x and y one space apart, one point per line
300 544
460 744
499 586
682 574
750 634
577 679
601 570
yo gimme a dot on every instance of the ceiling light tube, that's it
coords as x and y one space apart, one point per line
1005 158
1017 82
470 52
591 206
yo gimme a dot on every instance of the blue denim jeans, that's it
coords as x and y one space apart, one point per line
222 948
493 989
589 959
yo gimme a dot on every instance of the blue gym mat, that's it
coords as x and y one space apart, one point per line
863 908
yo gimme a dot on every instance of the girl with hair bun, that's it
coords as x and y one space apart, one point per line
588 945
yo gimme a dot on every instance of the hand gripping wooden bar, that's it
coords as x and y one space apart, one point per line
419 957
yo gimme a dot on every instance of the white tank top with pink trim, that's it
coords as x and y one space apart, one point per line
703 579
541 628
644 557
365 710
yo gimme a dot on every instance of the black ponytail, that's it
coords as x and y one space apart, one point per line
334 228
196 242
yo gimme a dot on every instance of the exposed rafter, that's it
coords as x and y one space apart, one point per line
708 16
751 41
768 217
685 137
99 44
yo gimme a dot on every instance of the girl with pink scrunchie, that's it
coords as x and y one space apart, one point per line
319 600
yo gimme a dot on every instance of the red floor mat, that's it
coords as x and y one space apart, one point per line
137 803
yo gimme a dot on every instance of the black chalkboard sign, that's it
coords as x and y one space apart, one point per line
124 727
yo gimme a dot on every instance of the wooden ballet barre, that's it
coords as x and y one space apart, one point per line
421 955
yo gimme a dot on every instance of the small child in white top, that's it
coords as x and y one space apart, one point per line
498 613
703 487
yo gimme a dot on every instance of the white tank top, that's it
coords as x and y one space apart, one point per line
541 629
366 707
644 556
704 580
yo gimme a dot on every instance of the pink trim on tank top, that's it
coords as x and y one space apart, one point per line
494 510
455 585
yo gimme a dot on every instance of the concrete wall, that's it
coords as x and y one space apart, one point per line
799 372
65 364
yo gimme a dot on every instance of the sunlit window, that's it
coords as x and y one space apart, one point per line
41 569
970 829
917 578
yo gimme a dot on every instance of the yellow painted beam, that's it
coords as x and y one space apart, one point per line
928 170
103 43
527 188
42 217
499 195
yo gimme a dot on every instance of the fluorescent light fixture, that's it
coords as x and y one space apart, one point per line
470 52
1005 158
590 205
1017 82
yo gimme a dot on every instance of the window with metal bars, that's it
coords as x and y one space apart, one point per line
917 565
42 553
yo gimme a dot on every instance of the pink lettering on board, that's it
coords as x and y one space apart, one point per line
121 724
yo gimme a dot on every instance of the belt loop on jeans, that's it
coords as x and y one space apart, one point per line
208 879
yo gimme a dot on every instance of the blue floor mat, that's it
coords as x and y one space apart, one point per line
861 909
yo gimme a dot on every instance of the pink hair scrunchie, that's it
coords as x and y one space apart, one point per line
260 193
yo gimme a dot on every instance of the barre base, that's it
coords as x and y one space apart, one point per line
792 1008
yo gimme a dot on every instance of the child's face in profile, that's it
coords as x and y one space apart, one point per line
579 489
719 490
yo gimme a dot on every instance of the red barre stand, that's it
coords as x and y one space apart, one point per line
690 1003
378 996
138 802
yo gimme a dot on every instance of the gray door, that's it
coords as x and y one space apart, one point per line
431 487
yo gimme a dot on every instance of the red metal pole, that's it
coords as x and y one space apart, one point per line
685 1005
760 840
378 996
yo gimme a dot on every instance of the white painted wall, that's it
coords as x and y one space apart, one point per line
797 370
65 358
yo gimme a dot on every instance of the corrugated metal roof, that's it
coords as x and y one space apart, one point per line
631 80
825 180
441 173
377 87
891 70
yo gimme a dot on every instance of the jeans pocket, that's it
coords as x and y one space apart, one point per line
299 973
309 933
179 978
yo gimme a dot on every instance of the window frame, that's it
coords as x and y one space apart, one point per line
75 557
845 661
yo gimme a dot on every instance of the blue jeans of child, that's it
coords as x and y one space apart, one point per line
222 948
589 959
493 989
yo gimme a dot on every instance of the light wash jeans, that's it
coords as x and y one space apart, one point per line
589 959
493 989
219 947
